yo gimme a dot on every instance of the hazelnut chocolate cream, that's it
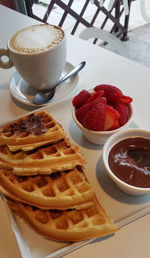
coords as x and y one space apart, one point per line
33 124
129 160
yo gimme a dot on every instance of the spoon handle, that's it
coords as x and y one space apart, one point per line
72 73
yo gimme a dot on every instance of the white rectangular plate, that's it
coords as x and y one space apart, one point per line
122 208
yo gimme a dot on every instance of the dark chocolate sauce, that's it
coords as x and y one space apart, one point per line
129 160
33 124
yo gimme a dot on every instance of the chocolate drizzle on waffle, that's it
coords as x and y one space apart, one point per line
31 131
32 125
41 174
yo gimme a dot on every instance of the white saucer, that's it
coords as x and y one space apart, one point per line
23 93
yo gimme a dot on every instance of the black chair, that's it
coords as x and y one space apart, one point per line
113 15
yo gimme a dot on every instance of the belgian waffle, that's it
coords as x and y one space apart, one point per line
45 160
64 190
41 174
8 195
31 131
68 225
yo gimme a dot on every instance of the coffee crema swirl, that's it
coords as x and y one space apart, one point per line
36 39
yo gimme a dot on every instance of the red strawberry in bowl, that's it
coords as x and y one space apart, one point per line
80 112
102 112
112 93
94 118
95 95
111 119
125 99
124 111
81 98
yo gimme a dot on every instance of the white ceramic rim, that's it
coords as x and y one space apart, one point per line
105 155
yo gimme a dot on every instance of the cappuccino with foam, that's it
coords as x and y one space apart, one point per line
36 39
38 54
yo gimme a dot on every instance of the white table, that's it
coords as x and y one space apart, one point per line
132 241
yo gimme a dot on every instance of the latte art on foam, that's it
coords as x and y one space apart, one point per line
37 38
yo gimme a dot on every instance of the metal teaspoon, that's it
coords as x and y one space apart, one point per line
41 98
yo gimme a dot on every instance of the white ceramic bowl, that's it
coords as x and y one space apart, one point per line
99 137
113 140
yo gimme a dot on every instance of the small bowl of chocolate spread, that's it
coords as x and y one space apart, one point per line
126 157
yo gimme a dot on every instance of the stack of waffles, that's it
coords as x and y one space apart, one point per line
42 177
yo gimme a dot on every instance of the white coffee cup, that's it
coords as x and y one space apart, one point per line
38 54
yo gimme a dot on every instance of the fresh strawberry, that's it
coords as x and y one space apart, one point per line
104 109
112 93
111 118
115 126
80 113
96 95
124 112
94 119
125 99
81 98
98 100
